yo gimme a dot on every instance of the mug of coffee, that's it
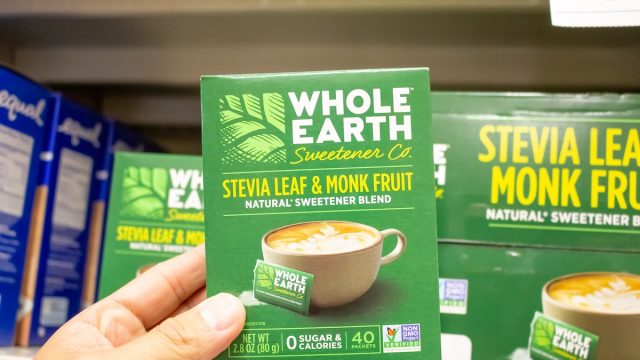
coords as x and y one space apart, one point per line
605 304
343 256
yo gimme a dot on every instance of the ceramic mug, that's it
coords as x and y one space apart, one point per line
601 303
344 262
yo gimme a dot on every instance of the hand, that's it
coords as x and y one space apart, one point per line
163 314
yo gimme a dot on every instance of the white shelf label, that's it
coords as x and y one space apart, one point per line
54 310
455 347
595 13
15 161
72 190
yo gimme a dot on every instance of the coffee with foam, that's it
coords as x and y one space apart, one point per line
321 238
606 293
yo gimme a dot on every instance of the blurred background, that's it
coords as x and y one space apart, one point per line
140 61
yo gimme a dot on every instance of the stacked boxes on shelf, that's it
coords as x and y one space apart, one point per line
532 188
537 195
54 270
155 212
55 161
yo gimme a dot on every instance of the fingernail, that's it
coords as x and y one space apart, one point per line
220 312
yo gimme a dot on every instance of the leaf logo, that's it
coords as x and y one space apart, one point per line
543 333
252 129
144 192
265 276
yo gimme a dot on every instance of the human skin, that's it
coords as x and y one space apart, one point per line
162 314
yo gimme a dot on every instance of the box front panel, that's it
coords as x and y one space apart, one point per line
155 213
326 151
522 174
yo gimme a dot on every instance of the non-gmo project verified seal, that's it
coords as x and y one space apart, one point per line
453 296
401 338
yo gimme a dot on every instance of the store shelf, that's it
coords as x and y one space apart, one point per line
127 8
17 353
453 66
487 50
141 61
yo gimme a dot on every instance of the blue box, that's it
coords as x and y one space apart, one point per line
24 115
121 139
71 175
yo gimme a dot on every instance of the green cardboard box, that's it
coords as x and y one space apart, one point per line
503 289
538 169
320 212
538 224
155 212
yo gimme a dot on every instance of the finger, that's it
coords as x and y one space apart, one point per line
159 291
200 333
113 321
195 299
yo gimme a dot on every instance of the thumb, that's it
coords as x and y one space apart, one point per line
200 333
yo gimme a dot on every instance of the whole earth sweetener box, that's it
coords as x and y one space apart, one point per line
538 169
155 212
498 287
537 195
320 212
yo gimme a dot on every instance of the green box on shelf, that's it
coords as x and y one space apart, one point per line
504 290
538 169
155 212
304 171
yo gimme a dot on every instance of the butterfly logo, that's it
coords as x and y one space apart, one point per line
391 333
